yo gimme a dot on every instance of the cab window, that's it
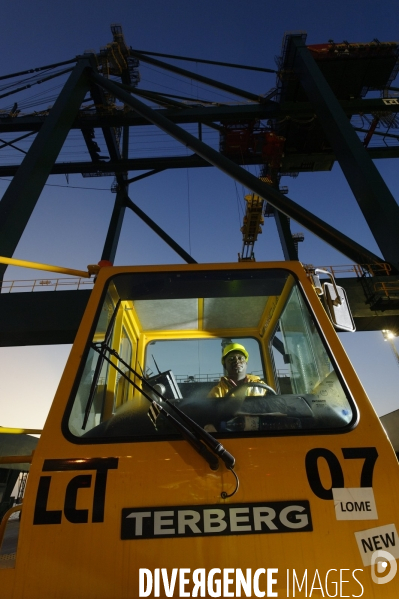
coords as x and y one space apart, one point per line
239 351
302 365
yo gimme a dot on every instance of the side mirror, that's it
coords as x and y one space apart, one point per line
337 307
336 304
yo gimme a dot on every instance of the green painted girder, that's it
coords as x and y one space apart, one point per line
375 200
120 118
280 202
197 77
132 164
202 114
24 190
285 235
49 141
53 317
374 153
114 228
118 212
320 162
159 231
45 318
372 311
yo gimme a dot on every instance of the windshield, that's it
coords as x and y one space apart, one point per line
238 351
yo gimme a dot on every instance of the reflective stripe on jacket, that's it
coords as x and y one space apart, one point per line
224 386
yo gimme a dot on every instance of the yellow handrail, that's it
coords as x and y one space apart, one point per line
3 524
49 267
20 431
16 459
378 269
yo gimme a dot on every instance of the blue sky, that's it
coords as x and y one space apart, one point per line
200 208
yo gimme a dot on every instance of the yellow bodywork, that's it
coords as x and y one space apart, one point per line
89 560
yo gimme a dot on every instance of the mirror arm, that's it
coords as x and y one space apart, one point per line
337 301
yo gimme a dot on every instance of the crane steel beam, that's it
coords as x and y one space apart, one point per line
118 212
154 171
118 118
45 318
214 62
9 143
196 77
329 234
115 225
28 85
372 194
169 162
109 132
38 69
23 192
195 113
157 229
285 235
133 164
53 317
160 99
114 228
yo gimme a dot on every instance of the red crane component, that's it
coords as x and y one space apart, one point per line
370 132
273 149
331 50
246 140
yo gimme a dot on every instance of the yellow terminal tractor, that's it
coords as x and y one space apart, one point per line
209 437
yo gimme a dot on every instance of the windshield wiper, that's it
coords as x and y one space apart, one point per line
195 434
213 444
156 409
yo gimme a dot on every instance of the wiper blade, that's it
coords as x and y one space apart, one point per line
210 441
214 445
156 409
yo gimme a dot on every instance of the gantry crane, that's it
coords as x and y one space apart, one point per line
314 115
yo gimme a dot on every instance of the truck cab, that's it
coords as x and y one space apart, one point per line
148 480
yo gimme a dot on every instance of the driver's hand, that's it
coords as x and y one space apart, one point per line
258 391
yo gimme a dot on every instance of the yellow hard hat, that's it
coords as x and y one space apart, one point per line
234 347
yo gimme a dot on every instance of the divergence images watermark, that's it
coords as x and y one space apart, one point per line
230 582
380 560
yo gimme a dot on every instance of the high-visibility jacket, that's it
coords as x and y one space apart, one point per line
225 385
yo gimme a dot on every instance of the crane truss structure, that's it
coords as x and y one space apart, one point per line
332 102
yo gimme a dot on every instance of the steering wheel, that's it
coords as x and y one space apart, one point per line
248 386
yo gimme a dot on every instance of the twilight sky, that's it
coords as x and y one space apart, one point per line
201 209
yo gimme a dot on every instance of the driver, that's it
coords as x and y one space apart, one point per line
235 362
